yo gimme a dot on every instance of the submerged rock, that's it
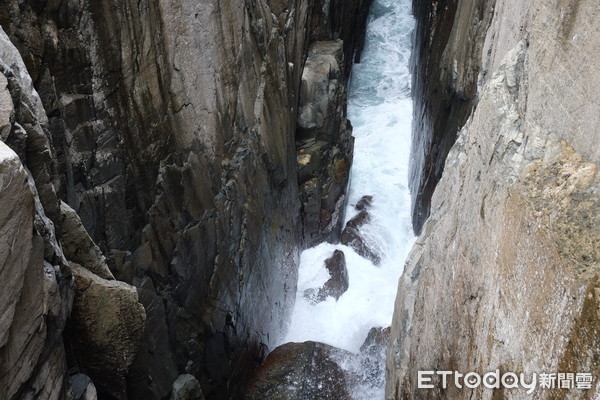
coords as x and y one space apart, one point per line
301 371
352 237
338 282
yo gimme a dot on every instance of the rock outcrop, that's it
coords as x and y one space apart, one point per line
506 272
162 147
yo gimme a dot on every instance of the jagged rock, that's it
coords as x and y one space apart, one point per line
105 330
300 371
446 64
364 203
351 236
505 274
186 387
77 245
376 341
338 282
325 143
174 133
83 388
36 291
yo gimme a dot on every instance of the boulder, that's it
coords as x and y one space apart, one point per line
300 371
105 329
364 203
186 387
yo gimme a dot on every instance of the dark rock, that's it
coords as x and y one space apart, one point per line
171 133
186 387
351 237
300 371
83 388
325 143
376 341
364 203
446 62
338 282
105 330
372 357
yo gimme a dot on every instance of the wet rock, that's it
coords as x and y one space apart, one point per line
376 341
325 143
105 329
36 283
364 203
186 387
338 282
352 237
506 267
299 371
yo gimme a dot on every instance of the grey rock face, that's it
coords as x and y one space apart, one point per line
446 63
505 275
36 290
171 133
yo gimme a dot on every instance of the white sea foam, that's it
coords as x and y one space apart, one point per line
380 110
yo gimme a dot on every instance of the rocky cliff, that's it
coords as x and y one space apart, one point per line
505 275
157 148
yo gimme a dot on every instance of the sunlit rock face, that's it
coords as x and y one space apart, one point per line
170 129
505 273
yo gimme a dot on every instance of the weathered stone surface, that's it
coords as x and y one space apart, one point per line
186 387
338 282
77 245
105 330
505 275
352 237
446 63
171 132
300 371
325 143
364 203
35 296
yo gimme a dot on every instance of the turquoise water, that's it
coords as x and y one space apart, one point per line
380 109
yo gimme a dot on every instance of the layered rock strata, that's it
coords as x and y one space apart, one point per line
169 133
505 275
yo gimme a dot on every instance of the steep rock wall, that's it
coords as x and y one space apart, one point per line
445 64
506 272
174 127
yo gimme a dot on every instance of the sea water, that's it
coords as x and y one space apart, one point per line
380 109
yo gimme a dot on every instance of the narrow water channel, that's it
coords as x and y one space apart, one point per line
380 109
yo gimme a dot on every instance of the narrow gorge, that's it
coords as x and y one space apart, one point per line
219 200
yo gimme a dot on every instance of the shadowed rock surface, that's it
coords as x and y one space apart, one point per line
163 145
338 282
